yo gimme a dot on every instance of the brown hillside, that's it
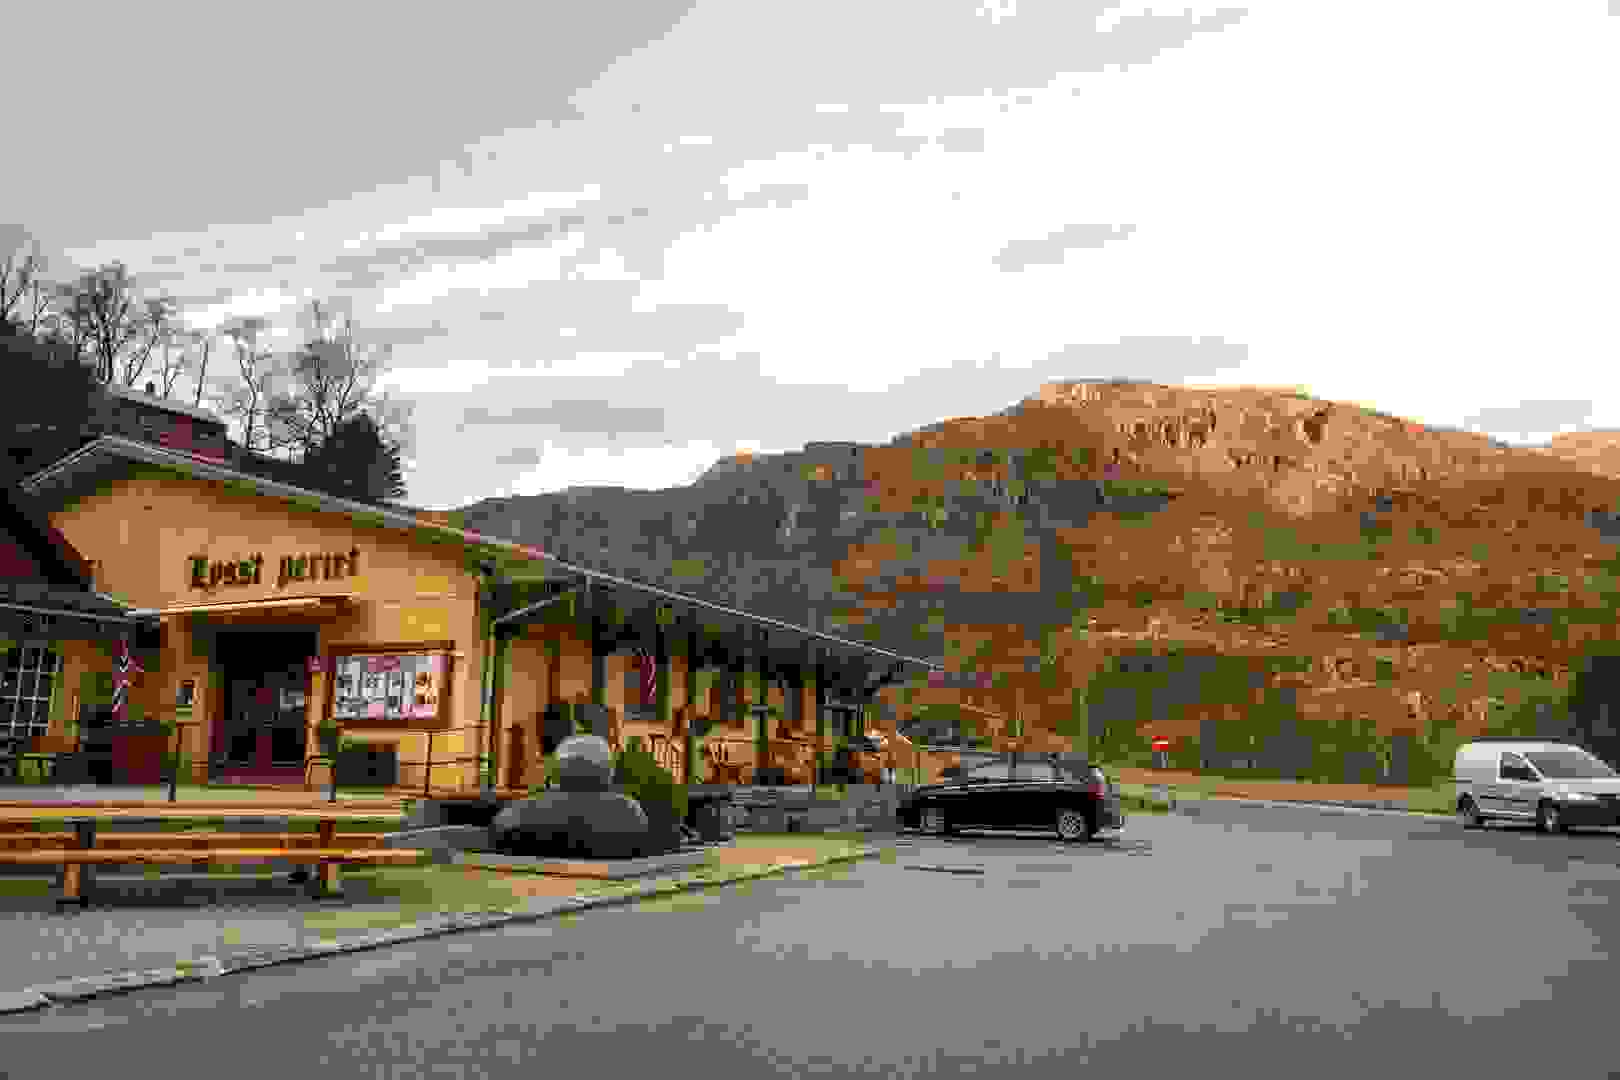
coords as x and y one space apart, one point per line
1274 494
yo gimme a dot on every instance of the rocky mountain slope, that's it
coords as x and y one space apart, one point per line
1368 569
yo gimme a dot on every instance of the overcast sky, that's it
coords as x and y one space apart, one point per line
611 242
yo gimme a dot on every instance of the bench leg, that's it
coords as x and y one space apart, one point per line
326 879
73 886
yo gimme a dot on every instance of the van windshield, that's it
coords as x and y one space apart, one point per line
1569 765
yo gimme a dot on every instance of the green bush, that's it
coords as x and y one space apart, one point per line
651 785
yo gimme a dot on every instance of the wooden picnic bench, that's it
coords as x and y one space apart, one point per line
198 840
188 847
73 861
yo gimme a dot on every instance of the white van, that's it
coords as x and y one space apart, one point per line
1554 784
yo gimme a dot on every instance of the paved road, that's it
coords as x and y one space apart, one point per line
1245 941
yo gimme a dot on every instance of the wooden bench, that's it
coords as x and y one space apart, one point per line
73 860
199 840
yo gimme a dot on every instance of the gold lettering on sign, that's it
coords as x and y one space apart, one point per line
204 573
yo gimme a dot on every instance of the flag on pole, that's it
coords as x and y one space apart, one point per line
125 666
647 666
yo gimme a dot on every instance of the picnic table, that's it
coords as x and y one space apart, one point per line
78 869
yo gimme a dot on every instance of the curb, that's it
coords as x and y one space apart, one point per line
209 967
1314 804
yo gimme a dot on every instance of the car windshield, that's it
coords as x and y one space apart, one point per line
1569 765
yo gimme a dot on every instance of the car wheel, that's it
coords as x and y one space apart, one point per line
1074 825
1468 814
1548 819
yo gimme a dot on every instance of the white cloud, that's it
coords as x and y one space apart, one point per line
471 219
258 303
640 467
512 270
1375 216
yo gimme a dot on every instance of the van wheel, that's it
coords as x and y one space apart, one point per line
1549 820
1468 814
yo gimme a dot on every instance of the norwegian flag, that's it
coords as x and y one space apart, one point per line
647 667
125 667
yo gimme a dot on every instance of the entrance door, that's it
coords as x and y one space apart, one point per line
267 686
285 727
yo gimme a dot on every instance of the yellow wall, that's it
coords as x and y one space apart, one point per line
143 531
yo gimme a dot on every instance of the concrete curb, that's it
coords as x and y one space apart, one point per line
208 967
1342 807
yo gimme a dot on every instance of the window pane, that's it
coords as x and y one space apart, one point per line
8 683
25 686
8 709
13 659
42 686
30 660
49 661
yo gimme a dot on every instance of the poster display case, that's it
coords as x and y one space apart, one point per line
388 686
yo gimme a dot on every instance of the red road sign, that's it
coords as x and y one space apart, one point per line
1161 743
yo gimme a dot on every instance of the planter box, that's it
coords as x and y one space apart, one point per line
138 759
366 767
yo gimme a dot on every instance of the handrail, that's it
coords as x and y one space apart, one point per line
427 770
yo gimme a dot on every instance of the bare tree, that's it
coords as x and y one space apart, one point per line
331 381
167 335
245 401
25 295
103 300
67 321
154 327
199 344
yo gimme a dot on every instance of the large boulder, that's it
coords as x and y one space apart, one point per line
592 824
585 763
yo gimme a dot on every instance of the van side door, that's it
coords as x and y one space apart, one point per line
1518 787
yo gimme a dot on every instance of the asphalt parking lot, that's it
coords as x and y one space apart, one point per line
1248 940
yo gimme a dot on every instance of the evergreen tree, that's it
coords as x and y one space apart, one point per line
357 462
51 402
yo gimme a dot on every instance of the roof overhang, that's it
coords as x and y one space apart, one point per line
90 465
307 607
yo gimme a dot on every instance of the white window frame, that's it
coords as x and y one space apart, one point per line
27 679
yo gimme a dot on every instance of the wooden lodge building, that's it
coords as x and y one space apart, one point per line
463 658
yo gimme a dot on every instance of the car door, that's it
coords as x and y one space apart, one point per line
977 796
1517 786
1030 800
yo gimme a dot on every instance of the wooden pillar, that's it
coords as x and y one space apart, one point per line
821 718
762 722
691 702
503 642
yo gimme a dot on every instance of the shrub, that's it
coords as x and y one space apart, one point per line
650 784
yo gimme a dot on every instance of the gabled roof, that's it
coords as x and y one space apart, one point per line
153 401
92 465
55 595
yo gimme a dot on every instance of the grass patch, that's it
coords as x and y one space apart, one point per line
1437 799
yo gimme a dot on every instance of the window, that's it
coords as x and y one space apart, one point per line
1033 770
996 770
1515 767
25 689
1569 764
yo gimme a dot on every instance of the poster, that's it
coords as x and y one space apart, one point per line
408 686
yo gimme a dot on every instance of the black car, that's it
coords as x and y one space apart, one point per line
1020 791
